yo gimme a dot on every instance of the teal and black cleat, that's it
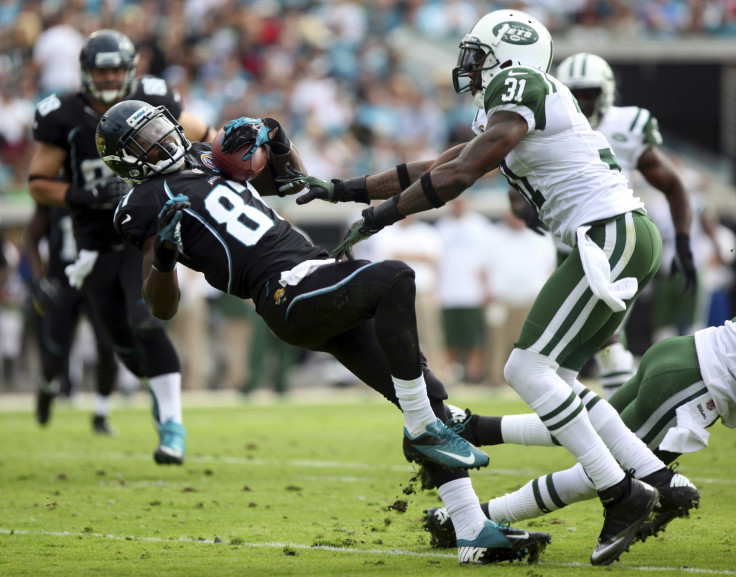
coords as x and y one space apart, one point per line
440 445
171 447
497 543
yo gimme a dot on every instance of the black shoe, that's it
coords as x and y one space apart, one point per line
438 524
677 495
44 400
101 426
628 506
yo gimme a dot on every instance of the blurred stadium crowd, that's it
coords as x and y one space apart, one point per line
344 78
334 71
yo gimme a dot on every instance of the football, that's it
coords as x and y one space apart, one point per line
232 165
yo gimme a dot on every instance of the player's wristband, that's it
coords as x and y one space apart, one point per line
387 213
164 259
279 144
351 190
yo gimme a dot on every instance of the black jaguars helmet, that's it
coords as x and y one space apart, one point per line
138 141
107 49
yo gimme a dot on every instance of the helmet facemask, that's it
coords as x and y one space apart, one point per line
105 94
473 70
106 50
154 143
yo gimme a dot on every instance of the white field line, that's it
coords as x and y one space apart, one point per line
333 549
245 461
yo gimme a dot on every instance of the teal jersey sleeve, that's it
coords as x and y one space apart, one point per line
523 86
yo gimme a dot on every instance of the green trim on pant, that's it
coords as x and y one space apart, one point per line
567 323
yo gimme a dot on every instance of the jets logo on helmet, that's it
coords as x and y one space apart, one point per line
591 81
498 40
516 33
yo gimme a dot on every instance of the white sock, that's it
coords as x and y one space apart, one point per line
167 390
534 377
414 402
463 506
543 495
630 451
102 406
525 430
615 367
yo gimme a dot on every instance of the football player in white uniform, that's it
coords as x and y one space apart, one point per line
546 149
683 386
634 136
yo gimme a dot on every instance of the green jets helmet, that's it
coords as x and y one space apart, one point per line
498 40
591 81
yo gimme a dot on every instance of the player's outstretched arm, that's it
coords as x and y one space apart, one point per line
160 289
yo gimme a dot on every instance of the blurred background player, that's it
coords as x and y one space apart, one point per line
108 269
59 307
634 136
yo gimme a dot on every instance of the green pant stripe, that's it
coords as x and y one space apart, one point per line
553 493
562 406
571 320
666 415
567 419
629 245
618 242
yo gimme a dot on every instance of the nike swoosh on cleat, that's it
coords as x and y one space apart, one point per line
523 535
469 460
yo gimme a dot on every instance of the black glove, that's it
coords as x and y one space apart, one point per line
168 243
106 194
46 294
374 219
683 262
532 220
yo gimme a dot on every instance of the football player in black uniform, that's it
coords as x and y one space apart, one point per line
182 209
65 169
60 307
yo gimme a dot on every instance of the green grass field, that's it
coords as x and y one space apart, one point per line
298 487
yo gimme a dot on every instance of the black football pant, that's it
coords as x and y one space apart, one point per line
56 330
363 314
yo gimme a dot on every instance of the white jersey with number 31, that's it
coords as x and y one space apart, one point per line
563 167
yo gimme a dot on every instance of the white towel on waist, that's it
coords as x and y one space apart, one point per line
296 275
598 272
689 434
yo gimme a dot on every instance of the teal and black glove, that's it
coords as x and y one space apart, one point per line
374 219
255 132
168 243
